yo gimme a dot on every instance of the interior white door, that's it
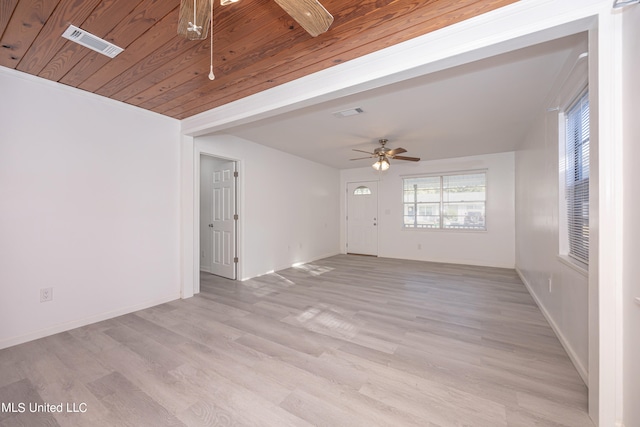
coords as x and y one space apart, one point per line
362 218
223 221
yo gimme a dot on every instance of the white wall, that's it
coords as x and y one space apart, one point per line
288 206
494 247
631 277
89 193
561 291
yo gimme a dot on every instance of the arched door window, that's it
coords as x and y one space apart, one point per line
361 191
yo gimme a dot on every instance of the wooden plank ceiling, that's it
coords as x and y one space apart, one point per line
256 45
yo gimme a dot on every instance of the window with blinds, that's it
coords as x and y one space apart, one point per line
445 201
577 178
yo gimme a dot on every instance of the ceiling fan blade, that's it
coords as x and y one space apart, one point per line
362 151
203 18
411 159
310 14
396 151
361 158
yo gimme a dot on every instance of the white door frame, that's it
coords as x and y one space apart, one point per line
346 204
227 180
196 214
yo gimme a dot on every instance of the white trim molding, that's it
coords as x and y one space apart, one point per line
608 270
189 261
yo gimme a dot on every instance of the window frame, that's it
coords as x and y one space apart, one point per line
441 227
567 255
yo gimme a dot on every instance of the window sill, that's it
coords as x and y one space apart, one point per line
446 230
576 265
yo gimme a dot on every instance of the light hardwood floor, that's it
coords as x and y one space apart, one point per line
344 341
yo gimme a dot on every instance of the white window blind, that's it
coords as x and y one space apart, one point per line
577 178
445 202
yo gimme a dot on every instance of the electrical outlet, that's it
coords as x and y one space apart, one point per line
46 294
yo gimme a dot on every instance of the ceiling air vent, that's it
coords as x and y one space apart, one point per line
349 112
86 39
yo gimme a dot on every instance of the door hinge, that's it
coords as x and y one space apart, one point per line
235 260
235 174
235 217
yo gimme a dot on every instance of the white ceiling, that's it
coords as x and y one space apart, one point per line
477 108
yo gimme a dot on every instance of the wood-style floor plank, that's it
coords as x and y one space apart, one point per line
344 341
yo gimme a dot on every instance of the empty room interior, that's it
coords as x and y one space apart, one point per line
340 214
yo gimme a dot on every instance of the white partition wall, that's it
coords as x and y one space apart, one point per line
89 194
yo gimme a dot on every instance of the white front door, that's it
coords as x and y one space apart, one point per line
362 218
223 221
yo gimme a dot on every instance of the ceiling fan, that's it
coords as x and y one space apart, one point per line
384 154
195 16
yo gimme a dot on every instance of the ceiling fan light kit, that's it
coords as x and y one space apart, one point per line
381 165
383 154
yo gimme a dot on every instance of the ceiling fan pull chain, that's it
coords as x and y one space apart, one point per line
211 76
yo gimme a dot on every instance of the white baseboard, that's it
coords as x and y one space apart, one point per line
62 327
455 261
284 267
307 261
582 371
